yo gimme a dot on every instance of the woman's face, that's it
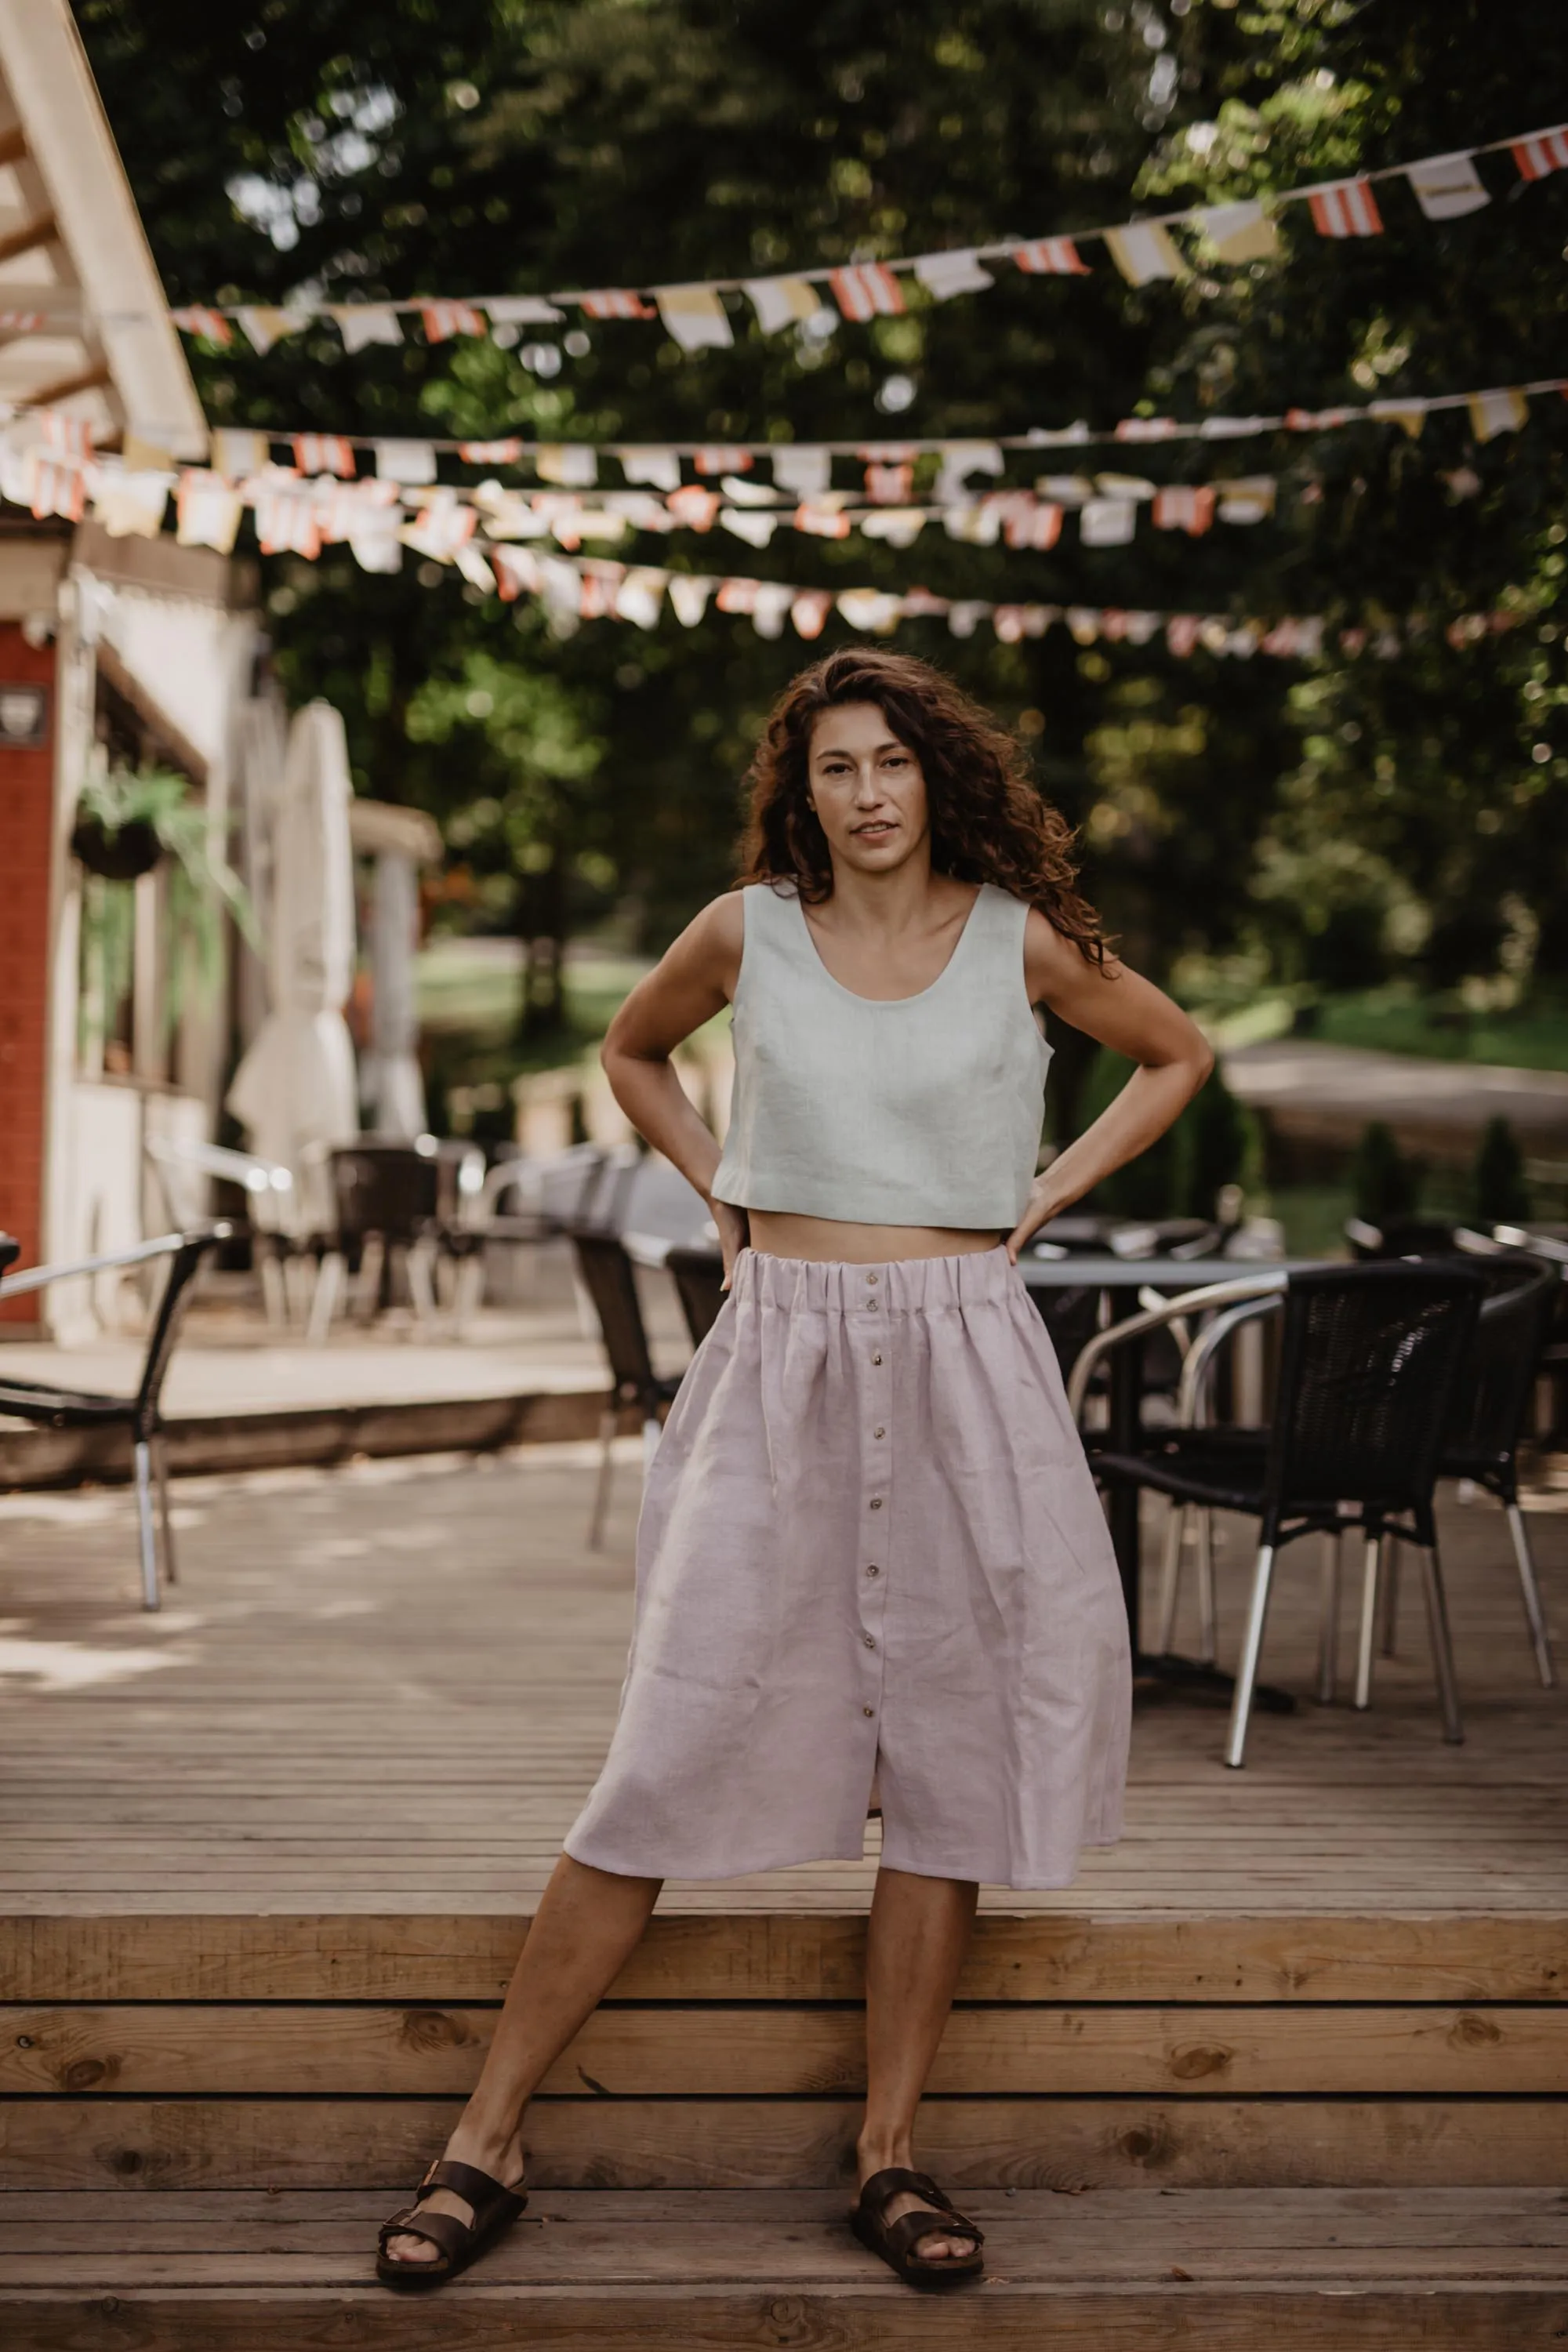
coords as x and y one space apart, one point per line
867 789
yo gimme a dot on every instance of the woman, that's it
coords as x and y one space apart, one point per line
870 1557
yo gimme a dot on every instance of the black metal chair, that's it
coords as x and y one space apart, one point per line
609 1277
1370 1357
698 1277
1487 1421
395 1202
139 1413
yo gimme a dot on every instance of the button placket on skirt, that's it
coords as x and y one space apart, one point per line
873 1347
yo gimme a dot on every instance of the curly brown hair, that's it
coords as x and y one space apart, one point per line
988 823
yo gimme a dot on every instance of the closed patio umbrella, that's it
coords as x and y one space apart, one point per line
295 1088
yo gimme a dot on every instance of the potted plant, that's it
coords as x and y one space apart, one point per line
128 820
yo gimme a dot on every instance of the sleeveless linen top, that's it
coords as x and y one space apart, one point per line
921 1110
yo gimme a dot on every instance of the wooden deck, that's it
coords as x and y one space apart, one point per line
706 2271
268 1860
388 1689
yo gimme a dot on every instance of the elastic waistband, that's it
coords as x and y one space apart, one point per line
904 1284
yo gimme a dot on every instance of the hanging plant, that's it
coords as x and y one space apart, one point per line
128 820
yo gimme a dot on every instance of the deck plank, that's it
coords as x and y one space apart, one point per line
288 1736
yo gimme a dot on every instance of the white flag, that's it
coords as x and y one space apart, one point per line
1239 232
1250 499
363 323
523 310
946 274
1143 250
804 471
756 530
129 506
694 316
1492 413
959 460
659 469
689 594
782 302
1447 186
237 456
574 465
265 325
1107 522
410 462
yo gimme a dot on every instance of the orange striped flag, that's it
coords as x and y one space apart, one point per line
1546 152
1346 209
1051 256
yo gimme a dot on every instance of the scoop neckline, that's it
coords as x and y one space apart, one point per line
921 993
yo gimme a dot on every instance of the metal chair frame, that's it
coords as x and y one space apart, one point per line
142 1412
1404 1510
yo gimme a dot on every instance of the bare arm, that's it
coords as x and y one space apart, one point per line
1131 1015
692 981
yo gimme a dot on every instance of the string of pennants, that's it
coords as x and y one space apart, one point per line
590 588
315 496
1446 187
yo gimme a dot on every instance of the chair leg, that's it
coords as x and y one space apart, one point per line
151 1597
1372 1562
468 1292
1252 1650
371 1266
1442 1648
419 1266
1535 1615
166 1523
324 1297
274 1295
1389 1644
1329 1625
602 1484
1171 1576
1208 1614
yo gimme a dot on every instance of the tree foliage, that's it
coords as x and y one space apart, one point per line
1340 822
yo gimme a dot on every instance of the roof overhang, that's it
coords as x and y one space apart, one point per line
84 322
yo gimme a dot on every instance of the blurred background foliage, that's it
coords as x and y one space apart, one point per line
1360 839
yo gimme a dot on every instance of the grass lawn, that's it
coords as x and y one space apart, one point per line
1398 1019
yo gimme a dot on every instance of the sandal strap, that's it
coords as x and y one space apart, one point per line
904 2235
941 2214
479 2190
450 2236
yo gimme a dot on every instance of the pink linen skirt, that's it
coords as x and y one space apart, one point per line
869 1547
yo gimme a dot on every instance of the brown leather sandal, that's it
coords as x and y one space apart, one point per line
457 2243
896 2241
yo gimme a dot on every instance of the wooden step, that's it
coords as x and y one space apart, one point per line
597 2271
312 2051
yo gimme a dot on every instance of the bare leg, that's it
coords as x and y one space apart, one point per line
919 1935
585 1928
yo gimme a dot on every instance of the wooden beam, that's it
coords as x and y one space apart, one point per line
90 379
41 230
797 1956
1064 2144
175 743
786 2049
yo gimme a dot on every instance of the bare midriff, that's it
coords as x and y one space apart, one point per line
829 1241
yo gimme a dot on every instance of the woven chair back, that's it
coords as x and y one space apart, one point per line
1369 1359
1493 1395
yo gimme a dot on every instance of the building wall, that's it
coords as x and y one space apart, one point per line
26 852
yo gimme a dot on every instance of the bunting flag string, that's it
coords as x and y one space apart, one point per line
588 588
806 468
1446 187
47 464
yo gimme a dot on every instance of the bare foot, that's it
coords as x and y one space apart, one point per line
503 2163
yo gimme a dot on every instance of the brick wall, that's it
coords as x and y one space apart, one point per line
27 815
